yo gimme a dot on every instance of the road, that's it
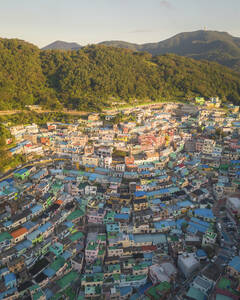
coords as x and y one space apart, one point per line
68 112
76 112
29 164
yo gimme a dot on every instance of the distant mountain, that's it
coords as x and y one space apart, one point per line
215 46
61 45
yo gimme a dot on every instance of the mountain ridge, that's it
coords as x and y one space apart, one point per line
61 45
218 46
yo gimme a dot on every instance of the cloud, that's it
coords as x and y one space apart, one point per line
166 4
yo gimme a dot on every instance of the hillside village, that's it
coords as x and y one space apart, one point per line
142 204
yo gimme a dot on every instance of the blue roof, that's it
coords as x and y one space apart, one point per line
139 194
49 272
102 170
205 166
48 293
235 161
69 224
192 229
28 225
145 172
197 227
22 171
121 216
93 177
3 270
184 203
198 221
125 290
148 255
8 278
23 245
125 210
112 227
33 235
130 173
201 253
162 224
36 208
204 212
10 180
39 174
69 178
144 287
11 291
7 223
235 263
154 238
135 297
144 166
179 223
156 201
44 227
4 184
66 254
158 192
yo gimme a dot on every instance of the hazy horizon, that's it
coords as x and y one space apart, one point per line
137 21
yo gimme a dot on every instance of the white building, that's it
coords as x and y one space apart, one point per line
233 205
209 238
188 263
163 272
202 284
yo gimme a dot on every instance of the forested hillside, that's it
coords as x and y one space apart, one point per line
215 46
90 78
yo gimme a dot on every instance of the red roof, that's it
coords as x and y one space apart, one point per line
60 202
15 234
149 248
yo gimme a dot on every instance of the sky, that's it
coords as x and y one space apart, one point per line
90 21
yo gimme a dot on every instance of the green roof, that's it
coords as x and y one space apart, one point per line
115 267
67 279
174 238
101 237
5 236
38 295
57 296
224 284
93 277
116 277
69 293
196 294
110 214
223 297
101 252
92 246
34 287
57 264
156 291
76 236
75 214
82 185
140 266
134 277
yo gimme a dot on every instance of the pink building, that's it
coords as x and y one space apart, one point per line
96 217
91 252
